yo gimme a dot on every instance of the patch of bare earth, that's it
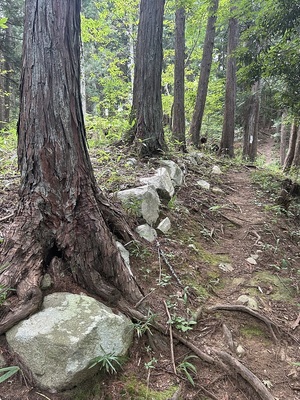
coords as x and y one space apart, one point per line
223 244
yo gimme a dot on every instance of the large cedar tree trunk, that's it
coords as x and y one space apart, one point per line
227 140
204 73
178 125
147 102
251 126
63 223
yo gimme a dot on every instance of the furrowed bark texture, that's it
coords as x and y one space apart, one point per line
227 140
178 126
61 213
147 102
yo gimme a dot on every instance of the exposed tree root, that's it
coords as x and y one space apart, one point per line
218 358
228 307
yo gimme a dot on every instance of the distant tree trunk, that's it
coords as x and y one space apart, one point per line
5 81
251 127
292 145
178 126
206 62
63 222
147 111
227 140
296 158
283 138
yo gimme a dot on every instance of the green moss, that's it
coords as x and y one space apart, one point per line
282 289
136 390
251 331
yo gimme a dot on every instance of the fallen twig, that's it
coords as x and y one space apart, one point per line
7 217
171 338
170 267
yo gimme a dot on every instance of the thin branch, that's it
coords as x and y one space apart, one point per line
171 338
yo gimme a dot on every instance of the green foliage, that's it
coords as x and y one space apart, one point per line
3 23
7 372
142 327
187 368
108 362
181 323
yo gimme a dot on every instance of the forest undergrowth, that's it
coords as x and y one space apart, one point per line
224 279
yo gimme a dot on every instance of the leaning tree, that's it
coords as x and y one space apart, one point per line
63 222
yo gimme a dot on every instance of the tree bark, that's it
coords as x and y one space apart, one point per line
251 127
291 150
147 111
178 126
227 140
204 73
283 137
296 158
62 219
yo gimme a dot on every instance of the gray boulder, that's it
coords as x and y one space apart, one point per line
174 171
162 183
143 200
58 343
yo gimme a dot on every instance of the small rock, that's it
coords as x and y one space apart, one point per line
216 170
46 282
203 184
165 225
240 350
146 232
248 301
251 261
217 190
131 162
226 267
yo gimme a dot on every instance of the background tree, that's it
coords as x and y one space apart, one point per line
205 68
227 140
10 59
63 222
147 112
178 123
251 124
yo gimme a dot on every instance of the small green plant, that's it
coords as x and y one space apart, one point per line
181 323
7 372
142 327
187 368
108 362
133 206
164 280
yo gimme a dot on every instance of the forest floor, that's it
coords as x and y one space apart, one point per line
223 244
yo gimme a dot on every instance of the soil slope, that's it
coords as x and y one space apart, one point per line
226 242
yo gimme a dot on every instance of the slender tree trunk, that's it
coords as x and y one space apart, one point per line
291 150
251 128
178 126
204 73
147 103
296 158
227 140
283 137
63 223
